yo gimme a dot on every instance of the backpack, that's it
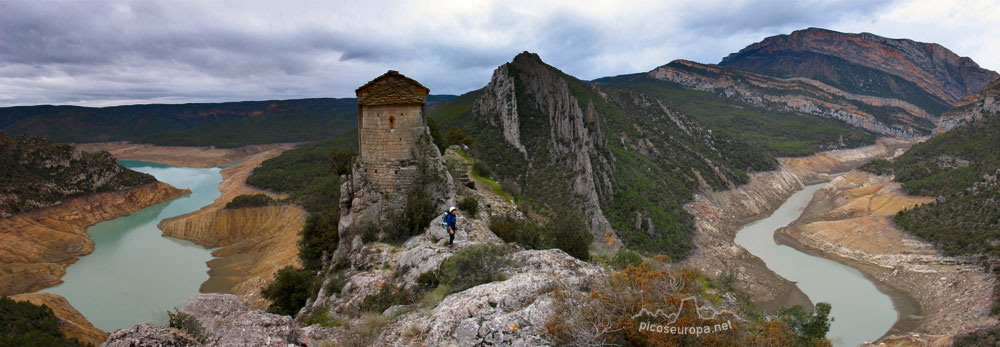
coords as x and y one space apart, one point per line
444 220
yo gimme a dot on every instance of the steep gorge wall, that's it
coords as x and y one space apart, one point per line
256 241
36 247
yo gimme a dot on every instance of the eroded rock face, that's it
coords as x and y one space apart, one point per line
36 247
797 95
149 334
934 68
228 322
511 312
985 103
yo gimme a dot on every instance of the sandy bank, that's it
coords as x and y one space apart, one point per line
182 156
850 221
719 215
36 247
256 242
71 322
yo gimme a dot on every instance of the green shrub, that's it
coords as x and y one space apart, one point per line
473 265
336 284
323 318
481 169
625 258
319 237
387 296
25 324
289 290
255 200
341 160
567 231
187 323
436 135
428 280
417 214
512 229
456 136
511 187
469 204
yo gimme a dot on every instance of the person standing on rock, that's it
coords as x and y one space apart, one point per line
451 219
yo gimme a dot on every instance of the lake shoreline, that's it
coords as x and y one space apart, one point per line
849 221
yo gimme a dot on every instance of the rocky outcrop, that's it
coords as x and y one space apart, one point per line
38 173
799 95
71 322
985 103
225 321
719 215
149 334
498 106
36 247
849 220
256 241
930 66
510 312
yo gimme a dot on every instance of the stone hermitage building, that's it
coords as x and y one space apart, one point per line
390 122
396 154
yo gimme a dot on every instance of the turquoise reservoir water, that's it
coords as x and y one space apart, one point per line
135 275
861 312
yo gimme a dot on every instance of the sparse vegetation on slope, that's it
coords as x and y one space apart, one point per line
647 158
25 324
777 132
38 173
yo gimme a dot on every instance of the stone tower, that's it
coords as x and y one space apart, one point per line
391 121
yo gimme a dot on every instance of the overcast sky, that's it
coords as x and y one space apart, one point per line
100 53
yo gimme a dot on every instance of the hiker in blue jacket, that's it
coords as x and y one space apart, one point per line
450 220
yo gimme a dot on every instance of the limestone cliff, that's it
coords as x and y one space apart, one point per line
985 103
71 322
623 160
878 114
38 173
36 247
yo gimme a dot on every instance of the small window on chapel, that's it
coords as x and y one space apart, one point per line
392 122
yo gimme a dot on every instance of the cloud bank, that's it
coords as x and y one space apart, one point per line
109 52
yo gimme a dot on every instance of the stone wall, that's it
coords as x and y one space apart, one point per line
388 134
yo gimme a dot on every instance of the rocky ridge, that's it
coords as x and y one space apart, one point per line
38 173
932 67
800 95
985 103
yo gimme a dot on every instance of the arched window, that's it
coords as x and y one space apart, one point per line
392 122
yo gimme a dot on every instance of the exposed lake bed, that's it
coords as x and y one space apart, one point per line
134 274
